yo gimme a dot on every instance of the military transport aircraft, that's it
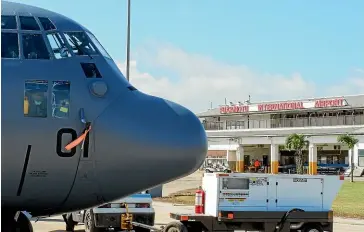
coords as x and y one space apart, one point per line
75 133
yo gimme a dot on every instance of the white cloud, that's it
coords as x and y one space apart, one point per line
201 80
359 70
354 84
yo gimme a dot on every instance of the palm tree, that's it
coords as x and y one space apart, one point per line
297 142
349 141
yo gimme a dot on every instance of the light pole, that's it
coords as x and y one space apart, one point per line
128 41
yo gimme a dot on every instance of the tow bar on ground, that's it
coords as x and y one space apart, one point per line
151 228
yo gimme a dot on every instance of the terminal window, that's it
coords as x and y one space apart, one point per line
35 98
61 99
361 157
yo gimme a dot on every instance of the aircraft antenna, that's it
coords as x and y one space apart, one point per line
128 41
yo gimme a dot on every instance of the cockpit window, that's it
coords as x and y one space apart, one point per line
34 47
98 45
79 43
28 23
8 22
58 46
35 98
9 45
46 23
90 70
60 99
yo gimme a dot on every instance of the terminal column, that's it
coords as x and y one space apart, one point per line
349 156
231 159
274 157
352 158
312 159
240 159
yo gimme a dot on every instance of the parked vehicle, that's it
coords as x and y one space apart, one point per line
108 215
217 168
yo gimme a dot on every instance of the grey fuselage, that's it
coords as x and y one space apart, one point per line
136 140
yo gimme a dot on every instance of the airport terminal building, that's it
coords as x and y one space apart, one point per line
248 131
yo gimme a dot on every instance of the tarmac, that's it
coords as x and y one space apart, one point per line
162 209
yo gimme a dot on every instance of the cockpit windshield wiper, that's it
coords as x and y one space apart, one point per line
74 42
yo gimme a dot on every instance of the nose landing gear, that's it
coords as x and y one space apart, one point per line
18 221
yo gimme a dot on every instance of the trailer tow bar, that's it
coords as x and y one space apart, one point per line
151 228
128 224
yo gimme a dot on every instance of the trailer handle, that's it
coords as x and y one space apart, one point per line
297 226
279 225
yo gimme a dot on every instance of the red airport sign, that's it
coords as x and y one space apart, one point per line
324 103
280 106
234 109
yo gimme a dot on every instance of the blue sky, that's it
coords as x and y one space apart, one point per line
322 40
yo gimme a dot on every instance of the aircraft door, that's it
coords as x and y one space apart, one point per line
83 186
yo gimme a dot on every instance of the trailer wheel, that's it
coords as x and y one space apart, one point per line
312 227
90 222
175 227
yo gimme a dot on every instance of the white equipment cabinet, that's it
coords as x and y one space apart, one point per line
268 192
262 202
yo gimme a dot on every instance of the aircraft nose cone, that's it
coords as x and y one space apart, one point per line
147 141
187 140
